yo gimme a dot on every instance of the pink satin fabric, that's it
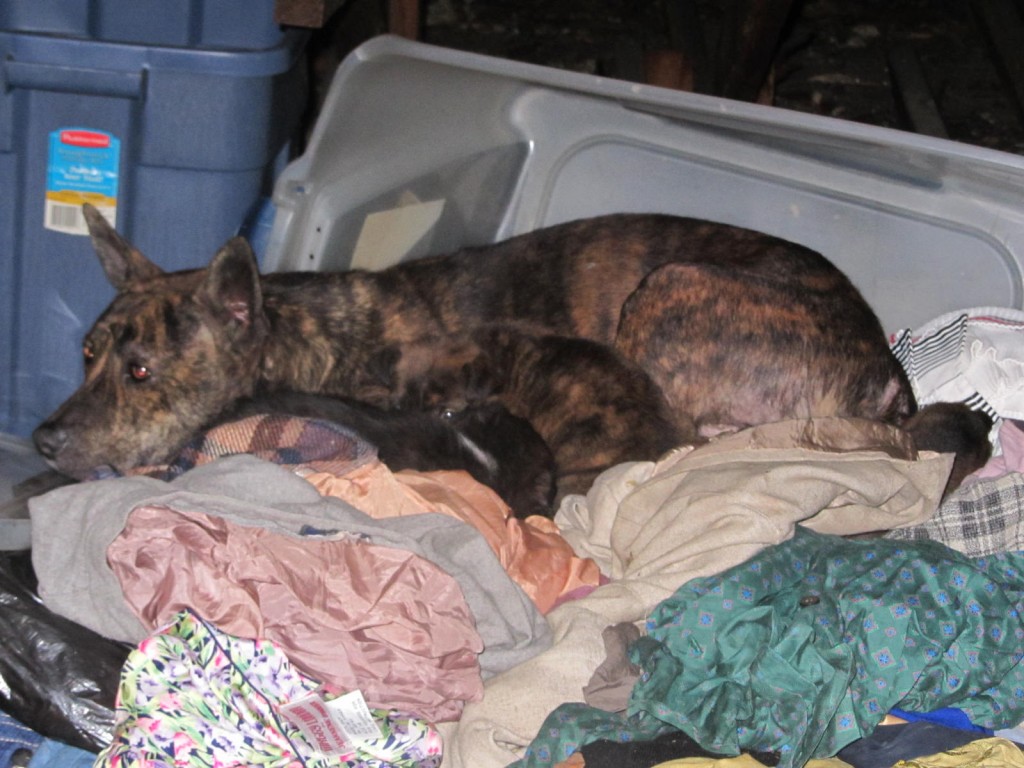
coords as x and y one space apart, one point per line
348 613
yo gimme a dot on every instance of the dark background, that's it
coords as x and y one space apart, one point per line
949 68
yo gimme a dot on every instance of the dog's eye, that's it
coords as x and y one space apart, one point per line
446 413
87 353
139 372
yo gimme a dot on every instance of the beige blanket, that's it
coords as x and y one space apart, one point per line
653 526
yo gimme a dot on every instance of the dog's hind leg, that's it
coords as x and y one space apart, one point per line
736 346
733 348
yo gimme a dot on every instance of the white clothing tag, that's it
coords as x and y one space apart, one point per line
317 724
353 717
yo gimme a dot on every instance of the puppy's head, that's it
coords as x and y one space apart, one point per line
522 467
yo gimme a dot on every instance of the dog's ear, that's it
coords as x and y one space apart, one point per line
122 263
232 284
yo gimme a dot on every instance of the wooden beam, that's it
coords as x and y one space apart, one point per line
668 68
305 13
686 34
912 92
756 28
404 18
1002 23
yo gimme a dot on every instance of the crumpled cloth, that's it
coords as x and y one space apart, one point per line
340 463
724 501
807 646
532 551
984 753
73 526
694 514
981 518
193 695
889 744
1010 458
612 740
348 613
15 736
613 681
974 356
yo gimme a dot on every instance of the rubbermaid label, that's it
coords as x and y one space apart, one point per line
83 168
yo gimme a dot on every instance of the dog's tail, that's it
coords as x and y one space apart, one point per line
942 427
953 428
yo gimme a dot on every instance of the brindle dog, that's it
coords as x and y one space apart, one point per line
734 327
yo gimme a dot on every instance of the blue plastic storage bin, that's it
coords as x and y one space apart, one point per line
223 24
182 144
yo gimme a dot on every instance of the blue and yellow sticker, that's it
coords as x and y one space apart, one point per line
83 167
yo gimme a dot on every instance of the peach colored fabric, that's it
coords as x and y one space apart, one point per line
533 551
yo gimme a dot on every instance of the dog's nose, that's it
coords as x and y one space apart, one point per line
49 440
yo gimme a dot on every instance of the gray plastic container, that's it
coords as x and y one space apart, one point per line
421 150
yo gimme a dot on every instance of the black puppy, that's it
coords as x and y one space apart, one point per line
496 448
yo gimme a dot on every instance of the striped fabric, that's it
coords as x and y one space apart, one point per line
975 356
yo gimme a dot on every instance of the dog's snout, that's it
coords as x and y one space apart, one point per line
49 439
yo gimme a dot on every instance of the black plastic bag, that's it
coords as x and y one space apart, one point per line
57 677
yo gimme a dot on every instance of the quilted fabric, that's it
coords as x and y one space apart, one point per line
277 438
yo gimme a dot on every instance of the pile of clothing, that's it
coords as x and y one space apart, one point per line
787 594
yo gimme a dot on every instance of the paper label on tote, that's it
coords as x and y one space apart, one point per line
83 167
